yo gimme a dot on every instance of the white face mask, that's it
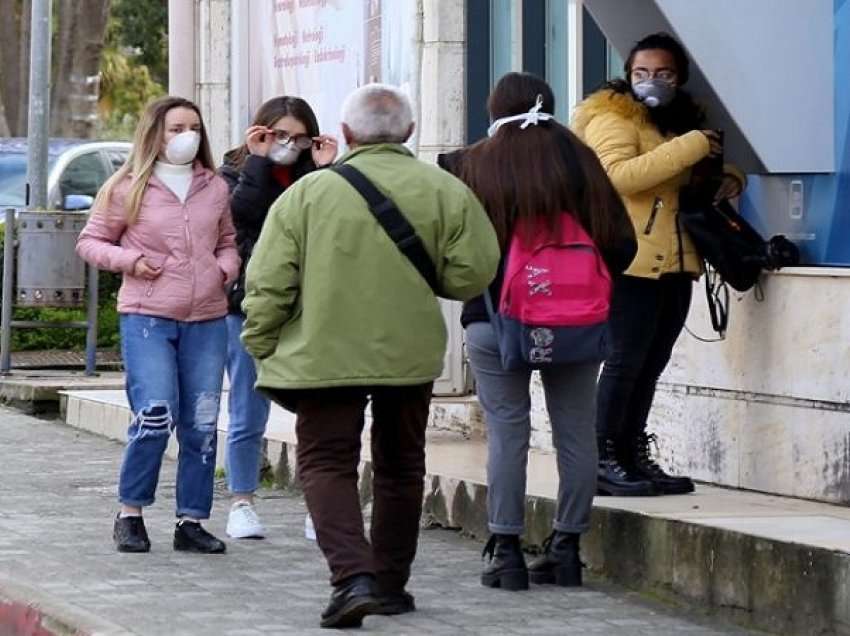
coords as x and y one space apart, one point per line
183 148
284 154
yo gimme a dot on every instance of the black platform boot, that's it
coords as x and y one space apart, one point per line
612 478
643 466
507 568
560 563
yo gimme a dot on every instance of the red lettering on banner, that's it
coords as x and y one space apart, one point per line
329 55
316 36
287 39
289 61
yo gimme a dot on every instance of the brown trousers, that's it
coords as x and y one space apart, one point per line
328 426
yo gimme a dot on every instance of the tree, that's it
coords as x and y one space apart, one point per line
134 64
109 58
14 60
79 41
142 27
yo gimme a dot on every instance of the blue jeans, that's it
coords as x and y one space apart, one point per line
505 399
174 374
249 412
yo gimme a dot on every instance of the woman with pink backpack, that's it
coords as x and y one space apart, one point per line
564 232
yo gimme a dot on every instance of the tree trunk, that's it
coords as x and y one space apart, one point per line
24 66
79 44
4 124
10 83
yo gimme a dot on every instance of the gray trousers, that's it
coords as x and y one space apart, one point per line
571 403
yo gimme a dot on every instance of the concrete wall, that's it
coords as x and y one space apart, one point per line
768 408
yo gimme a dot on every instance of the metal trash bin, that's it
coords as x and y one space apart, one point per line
50 274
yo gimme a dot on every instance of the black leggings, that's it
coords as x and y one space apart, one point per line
647 316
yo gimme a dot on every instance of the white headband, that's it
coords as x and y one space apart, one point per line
531 118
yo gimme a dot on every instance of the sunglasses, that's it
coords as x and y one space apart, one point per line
302 142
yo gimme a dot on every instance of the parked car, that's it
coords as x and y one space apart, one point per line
76 170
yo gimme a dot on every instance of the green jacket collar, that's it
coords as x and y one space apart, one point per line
376 149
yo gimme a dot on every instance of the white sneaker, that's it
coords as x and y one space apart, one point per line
243 522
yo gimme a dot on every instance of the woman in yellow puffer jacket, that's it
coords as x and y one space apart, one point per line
647 133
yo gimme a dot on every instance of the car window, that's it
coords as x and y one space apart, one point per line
13 180
84 175
117 158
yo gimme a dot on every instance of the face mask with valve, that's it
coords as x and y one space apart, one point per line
284 154
183 148
654 92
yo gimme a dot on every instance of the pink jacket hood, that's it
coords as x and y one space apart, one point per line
193 242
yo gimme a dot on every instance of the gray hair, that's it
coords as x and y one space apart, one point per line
378 113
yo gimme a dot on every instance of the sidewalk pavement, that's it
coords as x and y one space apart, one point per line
57 501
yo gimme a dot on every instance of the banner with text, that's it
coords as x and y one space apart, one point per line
321 50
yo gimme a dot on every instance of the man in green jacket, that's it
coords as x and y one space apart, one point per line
336 314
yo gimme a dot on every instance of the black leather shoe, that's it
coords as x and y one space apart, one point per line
612 477
130 535
395 603
350 601
560 563
507 569
190 536
643 466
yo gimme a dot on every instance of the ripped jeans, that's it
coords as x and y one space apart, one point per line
174 374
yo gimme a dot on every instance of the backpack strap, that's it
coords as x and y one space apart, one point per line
394 223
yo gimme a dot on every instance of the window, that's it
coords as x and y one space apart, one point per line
117 159
557 54
504 33
83 175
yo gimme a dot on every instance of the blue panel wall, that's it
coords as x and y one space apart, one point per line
822 231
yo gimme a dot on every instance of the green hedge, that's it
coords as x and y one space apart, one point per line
40 339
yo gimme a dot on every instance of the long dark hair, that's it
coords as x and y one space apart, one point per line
267 115
539 172
683 114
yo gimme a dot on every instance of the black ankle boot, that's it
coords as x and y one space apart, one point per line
507 568
643 466
130 535
612 478
351 600
560 563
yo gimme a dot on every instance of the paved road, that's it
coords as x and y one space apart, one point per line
56 506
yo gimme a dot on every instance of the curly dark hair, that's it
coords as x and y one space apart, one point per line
683 114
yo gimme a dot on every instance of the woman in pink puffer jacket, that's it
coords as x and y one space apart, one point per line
163 220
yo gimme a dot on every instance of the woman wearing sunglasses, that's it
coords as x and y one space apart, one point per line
282 145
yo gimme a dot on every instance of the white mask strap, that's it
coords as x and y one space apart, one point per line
531 118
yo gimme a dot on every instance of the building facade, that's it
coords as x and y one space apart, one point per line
768 408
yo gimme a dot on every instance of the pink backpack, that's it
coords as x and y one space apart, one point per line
555 299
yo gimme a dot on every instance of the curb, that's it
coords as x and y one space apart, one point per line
27 610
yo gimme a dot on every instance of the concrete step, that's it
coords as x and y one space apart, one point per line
37 391
765 561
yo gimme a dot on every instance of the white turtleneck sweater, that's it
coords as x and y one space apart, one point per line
177 178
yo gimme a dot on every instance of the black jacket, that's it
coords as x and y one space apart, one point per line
252 192
617 258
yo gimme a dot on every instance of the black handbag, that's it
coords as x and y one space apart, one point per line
723 238
734 252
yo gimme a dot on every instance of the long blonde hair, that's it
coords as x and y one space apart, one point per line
147 143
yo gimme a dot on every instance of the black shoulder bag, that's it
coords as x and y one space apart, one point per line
734 252
394 223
